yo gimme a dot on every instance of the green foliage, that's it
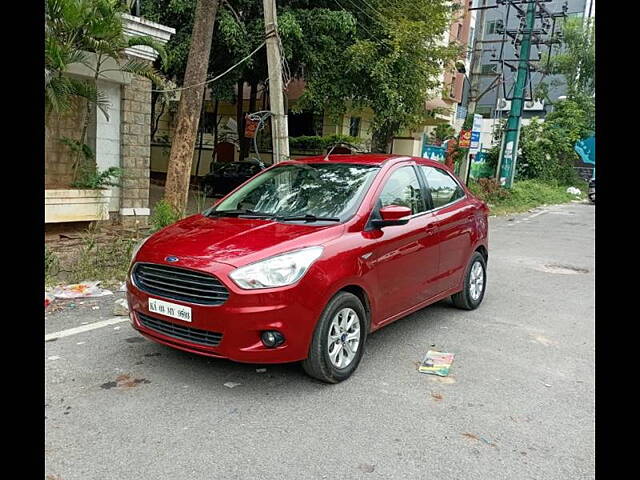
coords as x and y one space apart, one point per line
577 60
163 215
523 196
51 265
384 55
442 132
95 179
547 148
317 143
104 261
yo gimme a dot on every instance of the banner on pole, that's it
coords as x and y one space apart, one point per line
465 139
474 146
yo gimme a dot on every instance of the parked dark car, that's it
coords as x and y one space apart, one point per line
592 190
224 177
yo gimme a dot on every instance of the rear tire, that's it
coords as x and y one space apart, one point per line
341 329
475 283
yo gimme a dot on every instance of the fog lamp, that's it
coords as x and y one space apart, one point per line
272 338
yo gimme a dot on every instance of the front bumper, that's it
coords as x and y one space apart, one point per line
241 319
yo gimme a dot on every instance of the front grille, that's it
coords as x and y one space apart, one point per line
179 284
193 335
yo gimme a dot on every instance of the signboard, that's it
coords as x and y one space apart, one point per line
475 133
465 139
433 152
586 148
250 127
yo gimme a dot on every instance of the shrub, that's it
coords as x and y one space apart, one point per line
94 179
488 190
51 266
163 215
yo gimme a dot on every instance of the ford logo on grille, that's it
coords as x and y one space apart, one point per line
172 259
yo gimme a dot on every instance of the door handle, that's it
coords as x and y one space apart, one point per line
431 229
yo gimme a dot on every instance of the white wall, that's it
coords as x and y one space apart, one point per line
108 137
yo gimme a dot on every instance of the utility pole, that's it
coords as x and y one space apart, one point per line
279 128
509 150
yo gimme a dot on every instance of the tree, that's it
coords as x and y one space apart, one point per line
547 148
384 55
576 62
183 144
441 133
89 32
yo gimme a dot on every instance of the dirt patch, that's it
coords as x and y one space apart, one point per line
124 381
562 269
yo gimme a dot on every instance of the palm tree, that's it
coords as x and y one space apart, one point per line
91 33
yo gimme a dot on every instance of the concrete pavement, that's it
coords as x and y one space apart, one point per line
518 403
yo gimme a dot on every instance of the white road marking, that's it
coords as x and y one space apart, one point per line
85 328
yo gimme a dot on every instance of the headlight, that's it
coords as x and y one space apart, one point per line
276 271
137 248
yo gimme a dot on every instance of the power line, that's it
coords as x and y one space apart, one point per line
216 77
371 35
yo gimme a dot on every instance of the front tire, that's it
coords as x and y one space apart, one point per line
475 282
338 340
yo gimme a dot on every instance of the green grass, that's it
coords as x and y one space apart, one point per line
525 195
107 262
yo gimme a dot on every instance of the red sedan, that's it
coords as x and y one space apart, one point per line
304 260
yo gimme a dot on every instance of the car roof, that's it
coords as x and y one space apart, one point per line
363 159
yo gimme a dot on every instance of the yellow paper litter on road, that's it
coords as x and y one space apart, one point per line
436 363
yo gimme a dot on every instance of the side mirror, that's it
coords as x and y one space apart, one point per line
392 215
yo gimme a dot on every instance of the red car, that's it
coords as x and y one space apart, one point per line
304 260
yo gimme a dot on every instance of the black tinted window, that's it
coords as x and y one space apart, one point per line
402 188
443 188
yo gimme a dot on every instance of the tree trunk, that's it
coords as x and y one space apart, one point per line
216 122
252 108
240 118
182 147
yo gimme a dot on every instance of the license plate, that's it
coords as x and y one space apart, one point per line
170 309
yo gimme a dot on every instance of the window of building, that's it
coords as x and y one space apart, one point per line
484 110
354 127
470 44
402 188
303 124
490 27
442 187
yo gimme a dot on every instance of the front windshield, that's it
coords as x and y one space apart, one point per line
317 189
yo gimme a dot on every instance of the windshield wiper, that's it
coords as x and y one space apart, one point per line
307 218
240 212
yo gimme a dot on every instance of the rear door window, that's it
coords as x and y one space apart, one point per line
443 188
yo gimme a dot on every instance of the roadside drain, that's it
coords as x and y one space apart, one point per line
562 269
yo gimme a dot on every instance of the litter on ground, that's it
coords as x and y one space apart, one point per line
80 290
231 384
48 298
121 308
573 191
436 363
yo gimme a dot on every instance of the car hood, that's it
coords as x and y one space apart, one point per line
234 241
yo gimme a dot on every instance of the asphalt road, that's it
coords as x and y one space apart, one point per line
519 402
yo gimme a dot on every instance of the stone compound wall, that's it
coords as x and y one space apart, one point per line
57 156
135 151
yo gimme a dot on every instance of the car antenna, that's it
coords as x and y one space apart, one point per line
353 147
